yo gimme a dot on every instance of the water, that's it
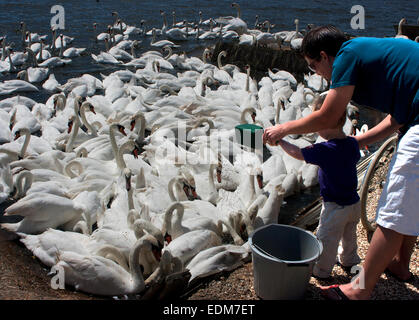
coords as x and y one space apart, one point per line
80 16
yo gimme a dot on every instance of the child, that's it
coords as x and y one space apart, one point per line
337 158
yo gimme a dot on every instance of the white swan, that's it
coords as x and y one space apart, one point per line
98 275
13 86
51 84
186 246
161 43
217 259
265 209
42 211
174 228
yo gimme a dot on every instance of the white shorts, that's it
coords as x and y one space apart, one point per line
398 207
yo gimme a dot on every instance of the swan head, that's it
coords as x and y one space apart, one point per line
88 105
19 132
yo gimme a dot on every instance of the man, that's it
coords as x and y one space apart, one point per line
383 74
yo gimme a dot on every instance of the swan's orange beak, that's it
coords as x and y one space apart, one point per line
92 109
219 174
259 178
132 124
156 252
70 126
121 129
135 152
253 116
194 194
167 238
186 190
17 135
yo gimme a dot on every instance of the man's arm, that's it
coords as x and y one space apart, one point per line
327 117
382 130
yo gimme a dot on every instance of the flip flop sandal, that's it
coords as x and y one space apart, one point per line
333 293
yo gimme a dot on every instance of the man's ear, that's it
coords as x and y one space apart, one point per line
324 55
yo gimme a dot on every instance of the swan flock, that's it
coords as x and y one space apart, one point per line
125 180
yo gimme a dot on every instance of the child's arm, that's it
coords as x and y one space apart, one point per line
291 149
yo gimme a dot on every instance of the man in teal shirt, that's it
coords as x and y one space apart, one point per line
384 74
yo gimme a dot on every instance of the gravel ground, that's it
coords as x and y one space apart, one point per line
22 277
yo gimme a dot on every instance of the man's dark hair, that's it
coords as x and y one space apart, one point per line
326 38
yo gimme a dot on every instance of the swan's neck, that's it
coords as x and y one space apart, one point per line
238 12
114 145
12 67
141 131
212 171
26 143
278 110
74 132
172 183
69 169
134 264
86 123
220 66
130 199
153 39
22 188
247 80
140 182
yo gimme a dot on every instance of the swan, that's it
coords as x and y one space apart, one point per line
28 186
33 75
205 185
186 246
229 68
294 34
51 84
266 208
106 58
174 229
54 62
161 43
400 29
13 86
98 275
73 52
283 75
216 259
17 150
42 211
48 245
6 182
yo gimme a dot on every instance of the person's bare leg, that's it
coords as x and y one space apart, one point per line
384 245
400 263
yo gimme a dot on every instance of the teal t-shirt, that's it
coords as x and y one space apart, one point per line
385 73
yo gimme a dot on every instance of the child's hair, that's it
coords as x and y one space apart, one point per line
317 104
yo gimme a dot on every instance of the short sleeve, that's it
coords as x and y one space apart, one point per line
314 154
345 68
